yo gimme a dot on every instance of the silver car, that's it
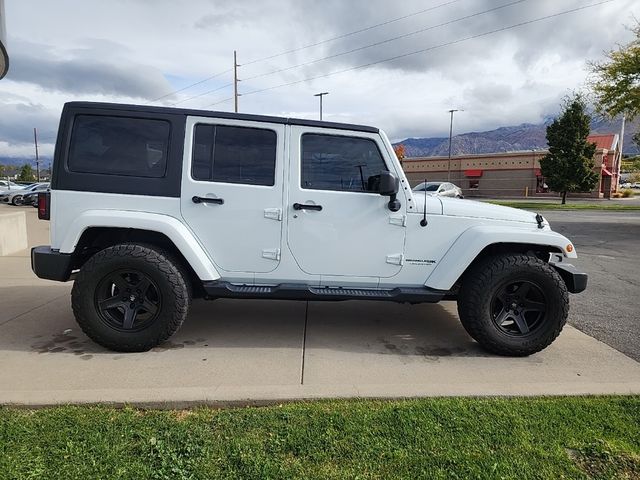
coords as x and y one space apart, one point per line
442 189
6 185
15 196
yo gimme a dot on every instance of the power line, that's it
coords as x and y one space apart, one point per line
202 94
424 50
355 32
219 102
345 35
422 30
189 86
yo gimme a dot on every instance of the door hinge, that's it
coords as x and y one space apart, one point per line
397 259
400 220
273 213
271 253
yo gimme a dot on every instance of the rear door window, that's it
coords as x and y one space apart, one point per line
112 145
227 154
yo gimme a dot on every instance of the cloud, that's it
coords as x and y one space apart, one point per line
18 120
81 72
129 51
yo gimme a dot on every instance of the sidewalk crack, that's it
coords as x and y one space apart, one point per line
304 341
32 309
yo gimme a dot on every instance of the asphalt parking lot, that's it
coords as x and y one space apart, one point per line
608 246
239 352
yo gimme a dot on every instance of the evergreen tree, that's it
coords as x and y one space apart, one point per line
26 174
568 167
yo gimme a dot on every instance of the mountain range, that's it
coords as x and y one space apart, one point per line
526 136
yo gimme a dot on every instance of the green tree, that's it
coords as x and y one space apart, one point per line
616 81
568 167
3 171
26 174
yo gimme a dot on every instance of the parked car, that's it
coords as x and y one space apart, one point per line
151 207
9 185
441 189
15 197
31 198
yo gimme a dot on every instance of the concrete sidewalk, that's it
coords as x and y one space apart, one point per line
232 351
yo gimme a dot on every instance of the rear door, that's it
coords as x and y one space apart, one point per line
232 191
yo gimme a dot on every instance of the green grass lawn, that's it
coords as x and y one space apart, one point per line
592 437
569 206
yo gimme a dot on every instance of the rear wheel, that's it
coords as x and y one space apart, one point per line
130 298
513 304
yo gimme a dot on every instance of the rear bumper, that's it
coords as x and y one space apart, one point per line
51 264
575 280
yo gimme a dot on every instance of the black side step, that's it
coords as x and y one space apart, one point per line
294 291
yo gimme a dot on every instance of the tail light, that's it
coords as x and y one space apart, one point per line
44 205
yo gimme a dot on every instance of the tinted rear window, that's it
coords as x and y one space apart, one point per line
234 155
107 145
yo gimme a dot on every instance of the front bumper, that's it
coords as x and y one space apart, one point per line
51 264
575 280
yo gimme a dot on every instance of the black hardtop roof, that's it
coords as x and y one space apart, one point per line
225 115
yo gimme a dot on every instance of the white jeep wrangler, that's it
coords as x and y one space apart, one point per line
151 207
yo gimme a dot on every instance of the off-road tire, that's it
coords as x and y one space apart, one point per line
483 281
166 272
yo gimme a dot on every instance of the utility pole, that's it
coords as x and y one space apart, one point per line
621 145
322 94
235 81
450 137
35 139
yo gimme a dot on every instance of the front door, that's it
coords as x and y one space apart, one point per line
232 191
337 225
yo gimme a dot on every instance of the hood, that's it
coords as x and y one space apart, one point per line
469 208
434 205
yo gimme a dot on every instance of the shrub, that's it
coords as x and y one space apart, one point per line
626 193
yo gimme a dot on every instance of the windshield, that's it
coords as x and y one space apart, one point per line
428 187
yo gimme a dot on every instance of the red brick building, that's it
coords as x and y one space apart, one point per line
513 174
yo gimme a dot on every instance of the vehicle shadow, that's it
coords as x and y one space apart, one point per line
428 330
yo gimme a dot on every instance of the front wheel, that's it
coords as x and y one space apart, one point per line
16 200
130 298
513 304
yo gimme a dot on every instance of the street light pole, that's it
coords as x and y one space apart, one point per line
35 140
322 94
450 136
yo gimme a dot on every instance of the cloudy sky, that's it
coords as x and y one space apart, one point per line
136 51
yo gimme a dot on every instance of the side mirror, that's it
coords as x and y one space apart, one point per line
387 185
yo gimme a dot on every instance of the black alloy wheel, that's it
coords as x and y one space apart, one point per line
513 303
518 308
128 300
131 297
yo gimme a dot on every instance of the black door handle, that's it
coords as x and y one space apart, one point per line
303 206
197 199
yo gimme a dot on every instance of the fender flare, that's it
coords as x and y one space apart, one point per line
173 228
475 239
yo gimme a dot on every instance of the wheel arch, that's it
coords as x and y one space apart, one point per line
93 232
478 243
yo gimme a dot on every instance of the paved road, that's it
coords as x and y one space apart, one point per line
608 246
